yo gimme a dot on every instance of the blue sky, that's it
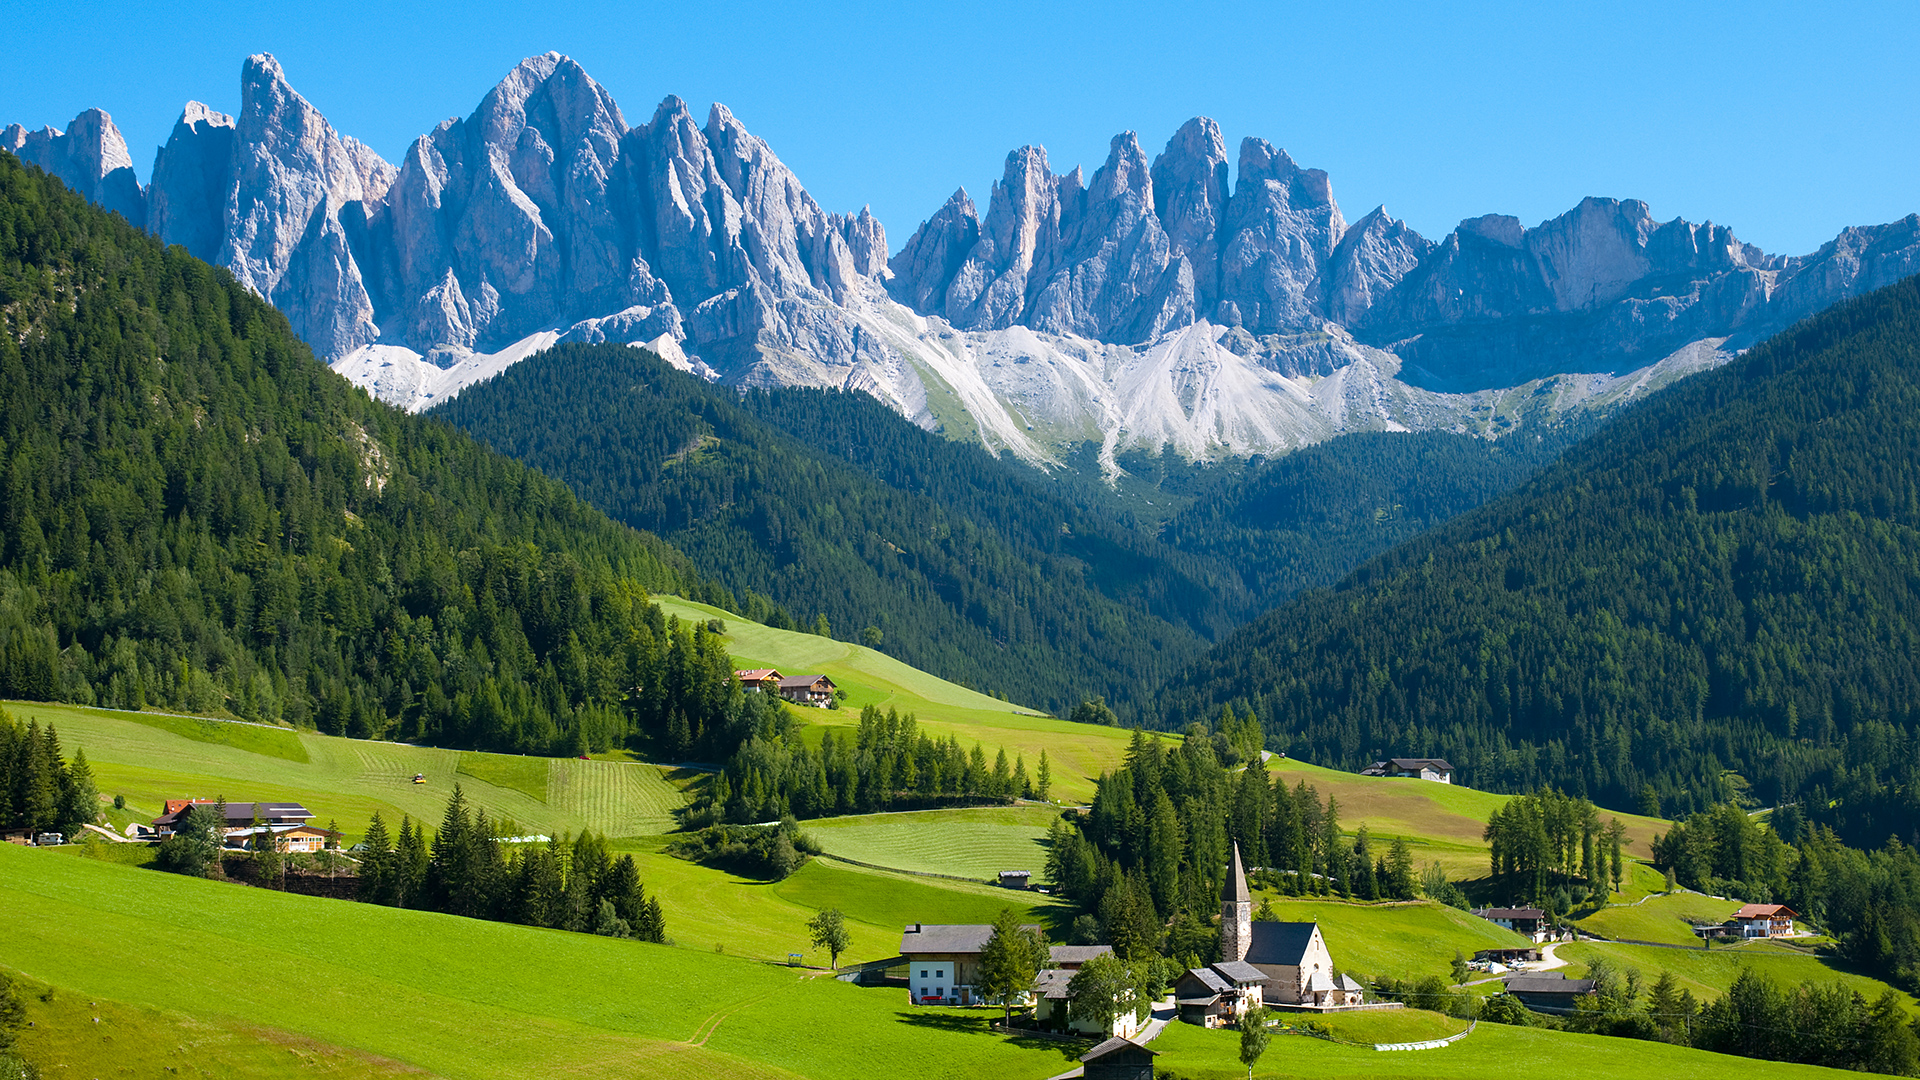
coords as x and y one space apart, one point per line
1785 121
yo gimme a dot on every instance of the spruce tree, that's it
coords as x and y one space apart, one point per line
1043 785
376 884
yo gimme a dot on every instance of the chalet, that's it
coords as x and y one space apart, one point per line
1072 957
1119 1058
1016 879
1550 992
1765 920
1289 954
1418 768
283 819
1528 922
1052 1002
815 690
763 680
943 962
1218 995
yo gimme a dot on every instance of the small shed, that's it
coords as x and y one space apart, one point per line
1016 879
1118 1059
1550 992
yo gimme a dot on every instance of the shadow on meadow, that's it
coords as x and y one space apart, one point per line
982 1025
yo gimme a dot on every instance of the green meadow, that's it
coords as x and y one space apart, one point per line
1709 972
150 759
1668 919
1493 1050
1076 753
132 972
976 842
1405 939
447 996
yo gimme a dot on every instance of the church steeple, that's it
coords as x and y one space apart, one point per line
1236 912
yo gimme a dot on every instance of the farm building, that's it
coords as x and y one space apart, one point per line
1765 920
301 838
284 818
814 690
1071 957
1051 1002
1549 991
943 962
1418 768
759 680
1509 956
1218 995
1016 879
1292 955
1119 1058
1528 922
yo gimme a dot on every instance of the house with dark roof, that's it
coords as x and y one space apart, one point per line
1549 991
1289 954
814 690
1419 768
286 821
1528 922
1218 995
1118 1058
943 962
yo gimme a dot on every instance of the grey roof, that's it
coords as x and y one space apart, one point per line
1346 982
1115 1043
1320 980
1052 982
1549 984
1076 954
947 937
1237 881
797 682
1214 1000
1279 942
1415 763
1210 979
243 812
1240 971
1510 913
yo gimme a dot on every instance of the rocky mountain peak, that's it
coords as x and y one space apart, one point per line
90 157
191 176
1190 195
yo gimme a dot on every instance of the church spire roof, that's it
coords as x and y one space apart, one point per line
1237 887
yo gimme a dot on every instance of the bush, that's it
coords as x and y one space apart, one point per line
771 853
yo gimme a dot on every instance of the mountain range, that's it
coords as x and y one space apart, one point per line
1152 305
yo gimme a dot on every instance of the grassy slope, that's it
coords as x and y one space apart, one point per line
1447 819
1076 753
427 990
975 843
1709 972
348 779
1668 918
1492 1050
1393 939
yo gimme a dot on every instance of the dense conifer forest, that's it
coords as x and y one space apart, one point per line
1716 599
812 504
198 515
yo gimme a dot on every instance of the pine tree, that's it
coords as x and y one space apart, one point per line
1043 786
411 865
80 799
377 883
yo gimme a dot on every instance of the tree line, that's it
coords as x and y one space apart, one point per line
1544 844
887 763
40 789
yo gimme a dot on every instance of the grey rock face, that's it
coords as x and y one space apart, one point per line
90 157
1374 255
1280 229
192 174
926 266
1190 196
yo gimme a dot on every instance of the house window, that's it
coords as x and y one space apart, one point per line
923 973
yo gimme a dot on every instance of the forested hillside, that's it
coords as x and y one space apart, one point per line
1307 519
1722 590
198 515
814 504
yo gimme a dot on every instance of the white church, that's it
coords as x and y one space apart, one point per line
1292 955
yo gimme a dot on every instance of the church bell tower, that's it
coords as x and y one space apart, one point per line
1236 913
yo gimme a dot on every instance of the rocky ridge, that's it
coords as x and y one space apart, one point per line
1167 303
